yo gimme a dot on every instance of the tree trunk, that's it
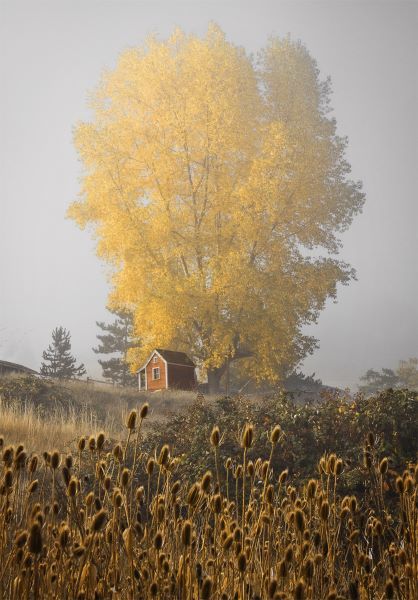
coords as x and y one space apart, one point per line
214 379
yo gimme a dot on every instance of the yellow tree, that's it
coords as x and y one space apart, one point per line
213 182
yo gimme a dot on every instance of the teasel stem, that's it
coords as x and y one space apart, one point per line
244 467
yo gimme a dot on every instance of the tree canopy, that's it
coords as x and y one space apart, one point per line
405 376
217 187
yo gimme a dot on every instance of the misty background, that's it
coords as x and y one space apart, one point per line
52 55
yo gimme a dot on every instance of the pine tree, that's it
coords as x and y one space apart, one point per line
117 339
59 362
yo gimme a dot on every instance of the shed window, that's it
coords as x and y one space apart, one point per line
156 373
155 359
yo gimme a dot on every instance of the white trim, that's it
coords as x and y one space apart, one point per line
181 365
166 375
150 356
139 379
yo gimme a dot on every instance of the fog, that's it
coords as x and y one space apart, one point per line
52 55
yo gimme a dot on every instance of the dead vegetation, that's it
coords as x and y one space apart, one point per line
111 521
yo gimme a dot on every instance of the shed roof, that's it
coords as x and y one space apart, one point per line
16 367
177 358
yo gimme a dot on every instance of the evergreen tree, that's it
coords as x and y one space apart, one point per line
59 362
117 339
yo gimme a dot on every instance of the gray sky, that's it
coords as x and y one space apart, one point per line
52 54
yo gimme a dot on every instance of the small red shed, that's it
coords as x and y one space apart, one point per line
167 369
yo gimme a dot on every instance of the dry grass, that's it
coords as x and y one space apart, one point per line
111 522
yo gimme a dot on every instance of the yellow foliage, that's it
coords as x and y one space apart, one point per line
208 179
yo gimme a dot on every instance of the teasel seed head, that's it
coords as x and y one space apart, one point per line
324 510
311 489
283 476
99 521
247 436
186 533
131 421
400 485
299 593
242 563
206 590
300 520
215 437
33 464
35 538
164 456
353 590
144 411
206 481
383 466
275 434
158 540
100 440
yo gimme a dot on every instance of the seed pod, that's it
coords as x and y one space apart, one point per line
55 459
144 410
247 436
389 590
353 590
100 440
206 590
193 495
228 542
118 452
338 467
131 422
175 488
66 475
275 434
186 533
72 487
158 540
92 443
311 489
64 537
383 466
33 464
150 466
300 520
309 569
8 478
299 593
217 504
283 476
125 477
164 455
35 539
99 521
81 444
400 485
242 563
324 511
20 539
274 584
367 459
215 436
206 481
